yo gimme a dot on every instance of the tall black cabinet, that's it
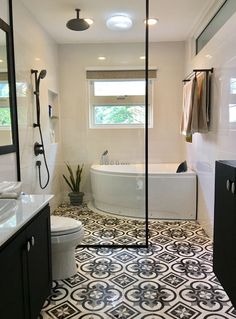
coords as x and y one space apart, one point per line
225 226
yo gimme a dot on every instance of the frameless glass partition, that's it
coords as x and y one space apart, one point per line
116 133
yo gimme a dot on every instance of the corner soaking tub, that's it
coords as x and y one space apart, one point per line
120 189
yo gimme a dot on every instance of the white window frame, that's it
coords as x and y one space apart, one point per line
121 100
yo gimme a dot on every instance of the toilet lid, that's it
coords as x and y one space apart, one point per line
64 225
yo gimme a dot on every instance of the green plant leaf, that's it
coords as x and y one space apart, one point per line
67 181
72 179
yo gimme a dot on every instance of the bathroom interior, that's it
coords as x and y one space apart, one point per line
111 98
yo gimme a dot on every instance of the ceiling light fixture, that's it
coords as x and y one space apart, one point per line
77 24
119 22
142 57
151 21
1 61
101 58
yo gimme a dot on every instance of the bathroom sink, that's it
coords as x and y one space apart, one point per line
7 209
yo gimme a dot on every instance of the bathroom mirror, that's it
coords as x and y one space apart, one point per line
8 120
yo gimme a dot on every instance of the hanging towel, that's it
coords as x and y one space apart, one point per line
187 109
201 104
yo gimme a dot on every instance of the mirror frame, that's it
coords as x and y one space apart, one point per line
14 147
11 147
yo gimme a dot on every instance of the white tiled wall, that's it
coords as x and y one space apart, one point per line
35 50
84 145
220 142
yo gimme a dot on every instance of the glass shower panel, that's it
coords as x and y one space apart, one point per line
116 134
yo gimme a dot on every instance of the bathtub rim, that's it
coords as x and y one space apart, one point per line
106 169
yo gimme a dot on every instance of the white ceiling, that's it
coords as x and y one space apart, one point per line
177 18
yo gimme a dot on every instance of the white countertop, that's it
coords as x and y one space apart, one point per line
26 207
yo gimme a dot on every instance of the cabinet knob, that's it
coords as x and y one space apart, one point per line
32 241
228 184
28 246
233 188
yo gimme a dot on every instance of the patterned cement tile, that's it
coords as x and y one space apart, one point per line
171 279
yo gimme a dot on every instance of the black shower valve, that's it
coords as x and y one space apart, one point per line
38 149
38 163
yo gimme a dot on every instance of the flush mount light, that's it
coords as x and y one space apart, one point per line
151 21
77 24
142 57
1 61
119 22
102 58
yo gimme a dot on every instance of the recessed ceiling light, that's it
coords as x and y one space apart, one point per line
151 21
1 61
119 22
89 21
37 59
142 57
101 58
208 56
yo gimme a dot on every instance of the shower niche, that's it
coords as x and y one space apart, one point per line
53 113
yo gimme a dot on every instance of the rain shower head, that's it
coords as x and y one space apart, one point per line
77 24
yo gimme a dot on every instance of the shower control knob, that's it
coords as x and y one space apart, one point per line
228 184
38 149
233 188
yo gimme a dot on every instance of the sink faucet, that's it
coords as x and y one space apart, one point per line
104 158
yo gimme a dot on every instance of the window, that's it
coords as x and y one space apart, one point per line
116 103
227 9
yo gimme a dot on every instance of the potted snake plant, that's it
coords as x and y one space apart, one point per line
73 181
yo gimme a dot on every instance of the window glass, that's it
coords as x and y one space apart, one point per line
224 13
5 117
119 103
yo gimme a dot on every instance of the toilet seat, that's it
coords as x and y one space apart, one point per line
64 225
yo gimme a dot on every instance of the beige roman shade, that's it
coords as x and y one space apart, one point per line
119 74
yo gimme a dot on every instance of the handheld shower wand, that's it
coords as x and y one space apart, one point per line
39 148
37 78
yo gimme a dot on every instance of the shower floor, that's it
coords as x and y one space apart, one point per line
105 229
171 279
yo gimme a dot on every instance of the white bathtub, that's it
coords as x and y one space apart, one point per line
120 189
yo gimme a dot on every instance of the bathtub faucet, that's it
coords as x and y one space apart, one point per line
104 158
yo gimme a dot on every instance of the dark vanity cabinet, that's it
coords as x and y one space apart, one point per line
225 227
25 264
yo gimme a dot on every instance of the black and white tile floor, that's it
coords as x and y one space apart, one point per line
172 279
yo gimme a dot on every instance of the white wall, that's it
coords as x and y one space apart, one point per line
34 49
220 142
84 145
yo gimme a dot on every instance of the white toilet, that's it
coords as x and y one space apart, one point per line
66 234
